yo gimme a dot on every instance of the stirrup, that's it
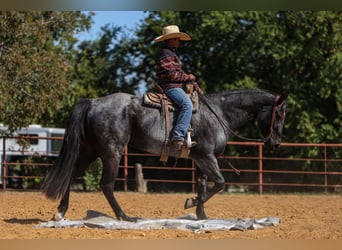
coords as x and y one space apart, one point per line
189 142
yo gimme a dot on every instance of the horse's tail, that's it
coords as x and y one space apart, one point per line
59 178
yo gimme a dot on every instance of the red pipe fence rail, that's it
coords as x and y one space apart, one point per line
320 169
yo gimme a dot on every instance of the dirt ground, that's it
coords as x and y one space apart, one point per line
302 216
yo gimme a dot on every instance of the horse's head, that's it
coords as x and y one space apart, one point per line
272 123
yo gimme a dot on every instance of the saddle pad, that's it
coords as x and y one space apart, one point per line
154 99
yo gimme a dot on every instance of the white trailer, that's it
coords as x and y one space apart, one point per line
39 144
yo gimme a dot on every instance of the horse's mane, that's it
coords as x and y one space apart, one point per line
238 92
241 98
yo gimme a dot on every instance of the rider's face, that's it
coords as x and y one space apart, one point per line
174 42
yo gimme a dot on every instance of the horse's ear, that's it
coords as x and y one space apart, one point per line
282 98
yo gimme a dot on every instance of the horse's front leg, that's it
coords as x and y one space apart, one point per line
199 201
201 197
202 194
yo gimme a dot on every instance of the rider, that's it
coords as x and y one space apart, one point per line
171 78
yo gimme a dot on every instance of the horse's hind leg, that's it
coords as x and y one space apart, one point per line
109 174
63 206
64 203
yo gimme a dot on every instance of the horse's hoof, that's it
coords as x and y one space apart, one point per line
132 219
190 202
201 217
58 217
201 214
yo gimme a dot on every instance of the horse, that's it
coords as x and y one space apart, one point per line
102 127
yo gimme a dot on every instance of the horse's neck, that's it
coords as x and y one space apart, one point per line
244 106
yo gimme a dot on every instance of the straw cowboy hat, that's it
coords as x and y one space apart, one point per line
172 31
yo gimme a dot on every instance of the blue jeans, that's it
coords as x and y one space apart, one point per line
178 96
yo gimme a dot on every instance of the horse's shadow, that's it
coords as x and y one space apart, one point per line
23 221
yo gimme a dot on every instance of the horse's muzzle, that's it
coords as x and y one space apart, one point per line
272 144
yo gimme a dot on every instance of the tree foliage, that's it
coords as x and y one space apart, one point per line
34 59
298 52
42 74
99 67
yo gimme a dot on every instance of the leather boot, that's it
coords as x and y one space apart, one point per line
178 144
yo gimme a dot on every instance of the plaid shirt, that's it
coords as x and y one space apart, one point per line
169 69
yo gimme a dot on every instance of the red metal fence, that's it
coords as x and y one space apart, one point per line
295 166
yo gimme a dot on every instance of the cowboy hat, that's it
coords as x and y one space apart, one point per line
172 31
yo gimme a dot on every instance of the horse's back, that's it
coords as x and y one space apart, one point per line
109 113
120 118
118 99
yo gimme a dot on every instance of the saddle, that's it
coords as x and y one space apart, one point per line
156 98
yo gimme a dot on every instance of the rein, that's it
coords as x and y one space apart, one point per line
273 117
233 132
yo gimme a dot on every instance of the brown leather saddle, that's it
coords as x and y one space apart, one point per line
156 98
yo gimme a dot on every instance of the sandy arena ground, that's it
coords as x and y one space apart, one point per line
302 216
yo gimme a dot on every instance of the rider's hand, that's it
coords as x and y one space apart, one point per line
199 91
197 88
192 77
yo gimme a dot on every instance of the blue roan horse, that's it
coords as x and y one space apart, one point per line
103 127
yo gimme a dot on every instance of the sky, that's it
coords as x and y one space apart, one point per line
128 19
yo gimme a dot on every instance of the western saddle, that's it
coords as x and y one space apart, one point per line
156 98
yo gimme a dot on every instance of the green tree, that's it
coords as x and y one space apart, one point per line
34 60
299 52
99 67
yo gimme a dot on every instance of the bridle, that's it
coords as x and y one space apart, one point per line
224 125
274 110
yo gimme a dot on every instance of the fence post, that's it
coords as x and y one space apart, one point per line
4 164
325 169
140 183
193 176
125 168
260 169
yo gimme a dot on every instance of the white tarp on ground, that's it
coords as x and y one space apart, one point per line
96 219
